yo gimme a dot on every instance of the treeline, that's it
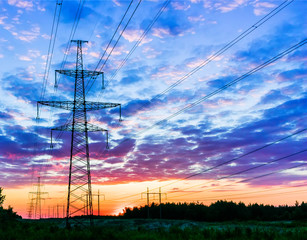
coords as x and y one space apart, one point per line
219 211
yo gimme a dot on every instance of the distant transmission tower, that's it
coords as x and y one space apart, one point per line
38 201
79 183
31 207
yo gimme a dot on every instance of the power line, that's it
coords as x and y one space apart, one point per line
215 92
227 85
231 160
267 190
53 36
256 69
259 67
140 39
119 37
221 51
238 194
51 46
260 191
249 169
105 51
208 60
73 31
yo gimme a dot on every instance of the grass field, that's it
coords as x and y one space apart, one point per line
137 229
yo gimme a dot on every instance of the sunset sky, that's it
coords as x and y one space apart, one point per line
185 128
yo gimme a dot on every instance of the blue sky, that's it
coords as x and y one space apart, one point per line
262 108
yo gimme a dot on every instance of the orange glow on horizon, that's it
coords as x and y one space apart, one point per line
119 196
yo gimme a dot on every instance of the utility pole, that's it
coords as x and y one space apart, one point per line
38 198
79 164
160 199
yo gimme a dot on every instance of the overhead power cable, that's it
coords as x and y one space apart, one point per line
53 36
252 28
260 191
215 198
162 9
119 37
225 197
248 153
221 51
231 160
289 50
229 84
259 67
105 51
249 169
73 31
215 92
54 30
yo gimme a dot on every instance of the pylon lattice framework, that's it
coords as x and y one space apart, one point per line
79 183
37 199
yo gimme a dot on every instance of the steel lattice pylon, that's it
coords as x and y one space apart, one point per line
79 183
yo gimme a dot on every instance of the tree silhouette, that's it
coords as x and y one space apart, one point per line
2 197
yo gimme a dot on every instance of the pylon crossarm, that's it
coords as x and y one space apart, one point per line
94 128
78 106
67 105
78 126
79 73
99 105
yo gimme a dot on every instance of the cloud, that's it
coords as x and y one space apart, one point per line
223 6
22 89
21 4
131 79
231 6
180 6
170 25
199 18
28 36
262 49
134 106
1 20
293 74
25 58
261 8
5 116
132 35
273 96
218 83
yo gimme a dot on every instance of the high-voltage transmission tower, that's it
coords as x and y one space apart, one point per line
38 201
79 183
